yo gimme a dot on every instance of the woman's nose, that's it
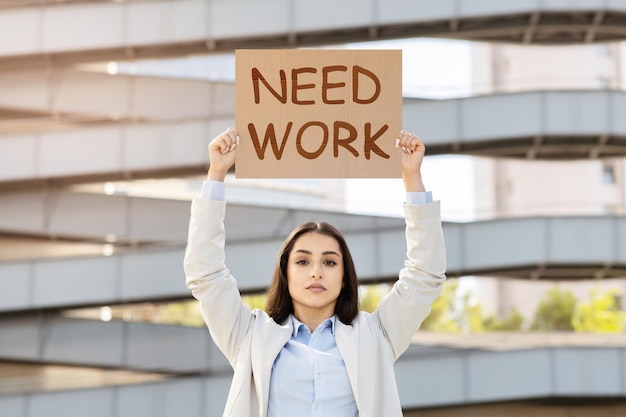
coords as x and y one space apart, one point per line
317 271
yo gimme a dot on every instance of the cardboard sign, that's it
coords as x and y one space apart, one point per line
318 113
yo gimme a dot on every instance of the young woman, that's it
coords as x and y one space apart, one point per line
312 353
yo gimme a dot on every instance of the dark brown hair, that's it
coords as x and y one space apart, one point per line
279 303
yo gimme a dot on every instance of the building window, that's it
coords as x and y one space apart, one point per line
608 173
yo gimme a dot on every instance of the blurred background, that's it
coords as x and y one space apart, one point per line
106 110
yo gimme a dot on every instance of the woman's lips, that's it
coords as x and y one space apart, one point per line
316 288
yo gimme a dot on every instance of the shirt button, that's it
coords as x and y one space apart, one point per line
316 406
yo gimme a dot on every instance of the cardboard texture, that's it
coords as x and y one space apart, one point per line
318 113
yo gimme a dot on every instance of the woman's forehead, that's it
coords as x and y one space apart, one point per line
316 242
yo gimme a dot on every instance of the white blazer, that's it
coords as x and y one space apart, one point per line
251 340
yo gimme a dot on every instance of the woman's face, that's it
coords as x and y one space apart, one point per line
315 274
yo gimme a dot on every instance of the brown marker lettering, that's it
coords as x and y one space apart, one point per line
270 137
356 70
295 86
370 146
301 150
326 85
337 142
256 76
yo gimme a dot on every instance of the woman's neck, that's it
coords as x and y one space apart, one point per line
312 319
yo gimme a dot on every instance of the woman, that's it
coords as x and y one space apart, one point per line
312 352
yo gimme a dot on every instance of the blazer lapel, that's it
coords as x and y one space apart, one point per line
274 339
346 337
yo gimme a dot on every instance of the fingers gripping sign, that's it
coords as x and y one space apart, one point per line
413 150
222 151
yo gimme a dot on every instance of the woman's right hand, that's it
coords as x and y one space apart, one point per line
222 154
413 150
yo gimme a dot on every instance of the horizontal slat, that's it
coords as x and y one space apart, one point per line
435 379
577 247
76 32
534 125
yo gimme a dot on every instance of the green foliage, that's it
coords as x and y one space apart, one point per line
514 321
555 311
601 314
454 311
255 300
469 313
441 317
372 295
185 313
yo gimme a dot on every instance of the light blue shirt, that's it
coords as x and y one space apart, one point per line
309 377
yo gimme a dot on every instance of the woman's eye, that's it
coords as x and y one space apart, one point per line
302 262
330 263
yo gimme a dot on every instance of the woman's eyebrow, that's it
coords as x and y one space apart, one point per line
308 252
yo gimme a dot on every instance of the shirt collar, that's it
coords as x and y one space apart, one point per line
329 322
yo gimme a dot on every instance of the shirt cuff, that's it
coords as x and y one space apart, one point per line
215 190
418 197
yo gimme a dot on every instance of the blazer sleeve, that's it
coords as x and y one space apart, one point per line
403 310
210 282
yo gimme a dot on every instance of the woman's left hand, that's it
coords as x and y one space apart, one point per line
413 150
